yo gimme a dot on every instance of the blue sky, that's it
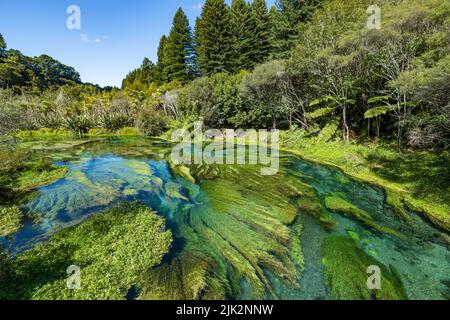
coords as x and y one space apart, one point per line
114 38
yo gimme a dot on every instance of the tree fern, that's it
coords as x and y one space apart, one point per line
320 112
379 111
328 131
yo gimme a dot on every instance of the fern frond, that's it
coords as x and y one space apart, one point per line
379 111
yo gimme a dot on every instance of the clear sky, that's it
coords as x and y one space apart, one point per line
114 38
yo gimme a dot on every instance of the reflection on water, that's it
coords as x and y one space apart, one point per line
239 234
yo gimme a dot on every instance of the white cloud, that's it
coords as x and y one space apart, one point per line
98 40
198 6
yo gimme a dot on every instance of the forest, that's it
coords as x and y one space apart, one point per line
372 103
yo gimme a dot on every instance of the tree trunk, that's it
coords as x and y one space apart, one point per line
344 122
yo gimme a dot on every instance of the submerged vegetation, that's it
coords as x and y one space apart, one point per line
346 272
112 249
81 185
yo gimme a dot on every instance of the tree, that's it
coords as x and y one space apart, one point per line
214 40
243 32
178 50
262 30
285 24
2 42
161 75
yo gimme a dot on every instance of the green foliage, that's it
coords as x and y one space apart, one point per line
2 42
378 111
214 42
17 70
243 26
152 122
178 50
339 205
43 134
285 24
130 233
10 221
261 34
345 270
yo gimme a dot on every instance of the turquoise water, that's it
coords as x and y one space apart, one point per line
104 173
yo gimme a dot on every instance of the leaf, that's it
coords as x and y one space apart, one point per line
320 112
318 101
378 111
378 99
328 131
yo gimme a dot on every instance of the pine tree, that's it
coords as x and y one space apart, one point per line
285 23
147 71
242 25
178 50
2 42
262 30
214 40
161 75
285 28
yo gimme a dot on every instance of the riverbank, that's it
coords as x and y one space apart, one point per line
418 181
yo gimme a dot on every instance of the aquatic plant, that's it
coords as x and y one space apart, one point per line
112 249
339 205
10 220
346 272
238 229
32 178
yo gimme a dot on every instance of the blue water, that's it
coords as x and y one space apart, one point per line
105 173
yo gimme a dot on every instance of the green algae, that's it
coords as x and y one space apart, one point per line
10 220
339 205
241 228
346 272
130 233
396 202
32 179
313 207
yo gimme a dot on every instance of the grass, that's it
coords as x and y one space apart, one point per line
416 180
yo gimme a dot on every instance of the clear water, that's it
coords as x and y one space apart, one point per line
103 173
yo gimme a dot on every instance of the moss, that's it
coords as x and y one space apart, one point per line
31 179
44 134
420 179
353 235
139 167
346 272
190 276
10 220
296 247
313 208
340 205
396 202
113 249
